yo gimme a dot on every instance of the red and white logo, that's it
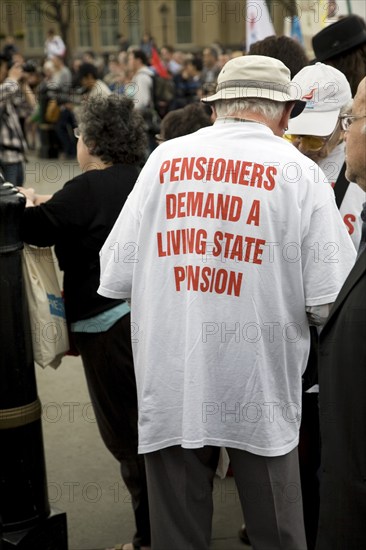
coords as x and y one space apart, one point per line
310 95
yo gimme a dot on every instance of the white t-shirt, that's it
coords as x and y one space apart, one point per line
55 46
140 89
100 89
354 198
222 243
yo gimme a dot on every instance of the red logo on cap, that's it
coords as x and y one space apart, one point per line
310 95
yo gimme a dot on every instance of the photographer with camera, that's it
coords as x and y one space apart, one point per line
13 145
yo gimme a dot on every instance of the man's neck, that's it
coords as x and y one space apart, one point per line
256 117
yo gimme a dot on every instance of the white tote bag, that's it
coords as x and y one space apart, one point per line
46 307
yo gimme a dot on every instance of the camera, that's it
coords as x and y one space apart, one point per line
29 66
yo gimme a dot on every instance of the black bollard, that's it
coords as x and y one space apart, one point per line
26 520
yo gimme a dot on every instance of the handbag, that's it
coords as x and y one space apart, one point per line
46 307
53 112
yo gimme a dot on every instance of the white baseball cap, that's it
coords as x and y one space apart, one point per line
325 90
256 76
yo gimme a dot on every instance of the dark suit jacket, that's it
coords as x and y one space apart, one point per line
342 401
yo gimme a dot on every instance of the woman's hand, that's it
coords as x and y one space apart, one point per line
32 198
29 194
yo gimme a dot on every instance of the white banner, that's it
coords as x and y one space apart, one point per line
258 22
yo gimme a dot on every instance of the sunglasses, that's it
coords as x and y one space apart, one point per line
311 143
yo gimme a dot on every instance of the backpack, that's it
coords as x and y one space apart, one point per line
163 92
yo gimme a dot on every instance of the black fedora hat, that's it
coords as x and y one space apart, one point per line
339 37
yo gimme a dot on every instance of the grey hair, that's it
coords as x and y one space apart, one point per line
346 109
113 130
266 107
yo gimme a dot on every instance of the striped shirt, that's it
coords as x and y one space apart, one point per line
12 141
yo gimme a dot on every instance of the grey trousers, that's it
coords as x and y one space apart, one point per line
180 483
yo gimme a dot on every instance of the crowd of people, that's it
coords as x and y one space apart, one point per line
58 85
228 228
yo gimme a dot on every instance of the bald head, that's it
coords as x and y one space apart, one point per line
356 139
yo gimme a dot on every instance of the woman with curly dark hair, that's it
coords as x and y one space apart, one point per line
77 220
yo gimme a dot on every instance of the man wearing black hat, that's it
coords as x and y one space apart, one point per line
343 45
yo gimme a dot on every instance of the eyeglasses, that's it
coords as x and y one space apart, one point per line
77 132
346 121
310 143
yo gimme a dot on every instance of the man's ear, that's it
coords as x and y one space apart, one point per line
289 105
214 113
283 121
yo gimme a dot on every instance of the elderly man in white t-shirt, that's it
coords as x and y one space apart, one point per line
223 248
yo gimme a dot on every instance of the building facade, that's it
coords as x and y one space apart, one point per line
188 25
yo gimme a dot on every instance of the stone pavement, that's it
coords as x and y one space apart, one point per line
83 478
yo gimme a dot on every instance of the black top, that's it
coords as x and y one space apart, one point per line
77 220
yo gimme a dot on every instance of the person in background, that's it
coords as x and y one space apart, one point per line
62 81
77 220
284 48
167 57
342 378
123 43
318 134
32 121
47 91
210 371
13 144
62 76
188 83
54 45
25 100
9 48
91 83
140 89
91 86
89 56
146 44
210 69
141 79
181 122
343 46
116 76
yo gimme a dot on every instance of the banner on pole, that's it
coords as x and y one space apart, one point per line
258 22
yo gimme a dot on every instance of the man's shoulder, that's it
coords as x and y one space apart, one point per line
100 87
350 303
145 73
